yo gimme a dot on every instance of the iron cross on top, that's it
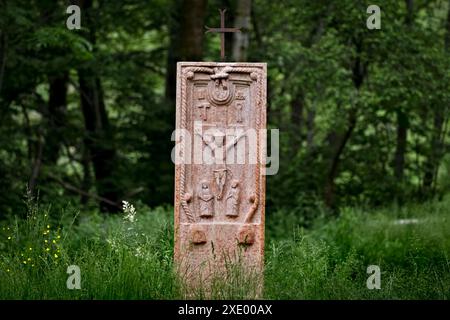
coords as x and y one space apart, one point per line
222 30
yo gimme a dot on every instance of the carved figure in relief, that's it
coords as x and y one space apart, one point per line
201 94
220 91
233 200
206 197
240 95
220 176
204 110
239 106
216 142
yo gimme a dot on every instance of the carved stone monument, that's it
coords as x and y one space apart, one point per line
220 181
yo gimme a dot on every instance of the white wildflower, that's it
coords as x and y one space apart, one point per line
113 244
406 221
139 253
129 210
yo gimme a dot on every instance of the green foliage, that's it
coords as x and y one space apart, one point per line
113 254
330 261
120 259
314 52
339 93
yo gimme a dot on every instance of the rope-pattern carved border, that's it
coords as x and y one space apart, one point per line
187 74
255 74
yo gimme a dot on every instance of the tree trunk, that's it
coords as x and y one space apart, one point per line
36 167
298 103
310 126
297 110
56 114
359 73
3 48
187 30
98 136
241 39
230 17
341 141
409 12
402 117
432 163
87 180
437 143
402 136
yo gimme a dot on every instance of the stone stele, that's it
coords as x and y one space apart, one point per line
219 204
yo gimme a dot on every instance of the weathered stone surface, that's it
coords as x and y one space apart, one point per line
220 182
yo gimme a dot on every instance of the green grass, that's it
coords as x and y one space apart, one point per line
124 260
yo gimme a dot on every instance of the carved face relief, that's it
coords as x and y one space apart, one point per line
219 138
205 190
204 110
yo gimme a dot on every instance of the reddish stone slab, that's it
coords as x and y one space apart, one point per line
219 180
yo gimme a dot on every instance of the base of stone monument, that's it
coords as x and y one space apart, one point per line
204 269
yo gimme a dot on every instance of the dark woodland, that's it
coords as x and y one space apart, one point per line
86 116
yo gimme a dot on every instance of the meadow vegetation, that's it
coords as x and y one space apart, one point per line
130 256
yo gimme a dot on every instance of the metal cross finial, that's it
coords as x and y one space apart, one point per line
222 30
